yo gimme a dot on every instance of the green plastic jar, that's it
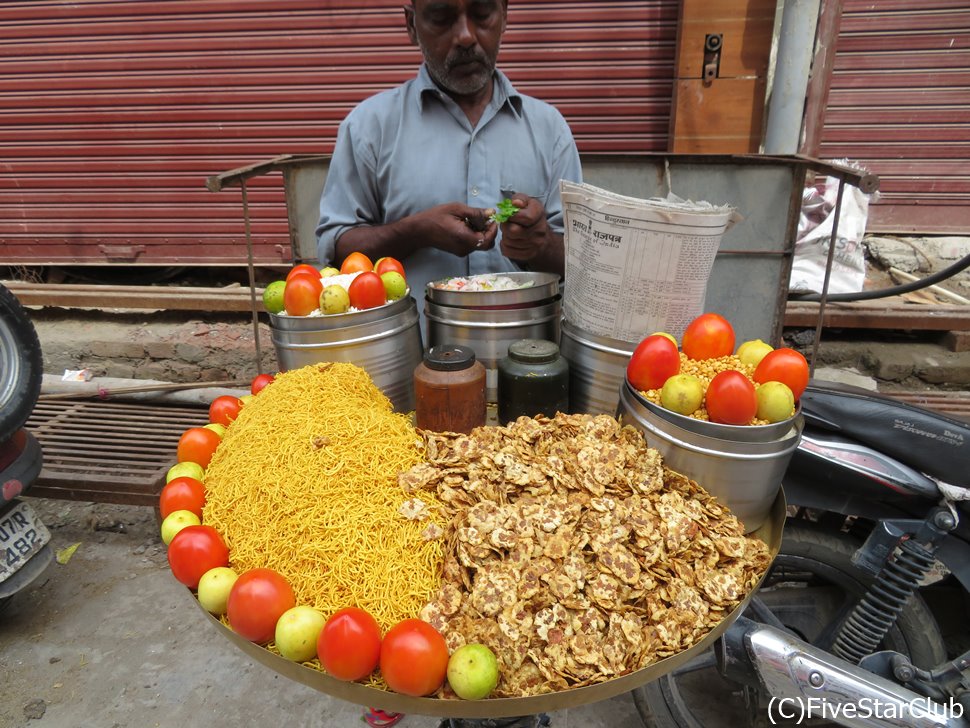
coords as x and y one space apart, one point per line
533 379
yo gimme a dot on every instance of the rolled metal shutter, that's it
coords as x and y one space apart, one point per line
899 103
116 111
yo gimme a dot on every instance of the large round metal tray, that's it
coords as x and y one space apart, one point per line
538 287
770 532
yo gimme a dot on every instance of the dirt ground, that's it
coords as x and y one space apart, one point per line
110 640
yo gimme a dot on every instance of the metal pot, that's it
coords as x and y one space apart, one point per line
597 368
489 321
744 475
385 341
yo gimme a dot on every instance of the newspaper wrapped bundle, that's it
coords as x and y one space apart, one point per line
635 266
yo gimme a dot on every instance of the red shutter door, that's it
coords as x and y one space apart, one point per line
115 111
899 103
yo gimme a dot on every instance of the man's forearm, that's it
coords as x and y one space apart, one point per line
377 241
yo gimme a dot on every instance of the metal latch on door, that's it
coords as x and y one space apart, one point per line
712 56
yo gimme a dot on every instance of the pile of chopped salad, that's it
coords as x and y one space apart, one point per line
482 282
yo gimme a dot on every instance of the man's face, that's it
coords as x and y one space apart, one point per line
459 39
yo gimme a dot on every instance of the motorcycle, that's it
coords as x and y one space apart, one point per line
25 550
862 618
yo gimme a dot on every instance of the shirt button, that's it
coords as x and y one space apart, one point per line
475 191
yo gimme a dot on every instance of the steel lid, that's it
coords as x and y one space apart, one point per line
535 287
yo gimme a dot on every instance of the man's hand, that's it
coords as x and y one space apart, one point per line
527 237
452 227
455 228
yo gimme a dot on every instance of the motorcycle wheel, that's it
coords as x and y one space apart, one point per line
21 365
810 588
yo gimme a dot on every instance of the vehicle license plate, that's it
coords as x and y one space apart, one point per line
22 535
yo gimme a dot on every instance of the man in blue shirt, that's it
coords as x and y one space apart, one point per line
418 169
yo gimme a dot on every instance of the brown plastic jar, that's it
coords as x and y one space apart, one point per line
449 390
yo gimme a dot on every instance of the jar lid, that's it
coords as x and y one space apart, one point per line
449 357
533 350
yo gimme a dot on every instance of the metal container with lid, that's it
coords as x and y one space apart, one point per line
532 288
597 368
385 341
449 390
489 321
532 379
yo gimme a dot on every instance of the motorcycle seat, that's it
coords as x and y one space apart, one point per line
927 441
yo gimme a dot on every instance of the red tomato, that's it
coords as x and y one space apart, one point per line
414 658
195 550
383 265
301 269
786 366
197 444
256 601
356 262
367 291
349 647
223 410
654 361
260 381
182 494
301 295
731 399
709 336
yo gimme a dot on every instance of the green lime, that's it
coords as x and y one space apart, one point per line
217 428
191 470
394 285
334 299
273 296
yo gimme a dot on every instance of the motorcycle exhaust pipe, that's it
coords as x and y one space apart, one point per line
806 682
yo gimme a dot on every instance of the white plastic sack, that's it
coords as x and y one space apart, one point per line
814 235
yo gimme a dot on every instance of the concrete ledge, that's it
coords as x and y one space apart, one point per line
168 347
158 346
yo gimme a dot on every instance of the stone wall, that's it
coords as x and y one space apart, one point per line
164 346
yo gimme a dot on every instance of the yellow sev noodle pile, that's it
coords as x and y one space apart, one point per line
305 482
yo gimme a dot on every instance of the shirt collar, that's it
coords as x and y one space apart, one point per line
504 94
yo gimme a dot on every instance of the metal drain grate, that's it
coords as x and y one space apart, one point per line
108 452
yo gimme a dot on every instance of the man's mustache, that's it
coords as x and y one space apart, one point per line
461 57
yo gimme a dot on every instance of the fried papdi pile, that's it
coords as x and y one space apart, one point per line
574 554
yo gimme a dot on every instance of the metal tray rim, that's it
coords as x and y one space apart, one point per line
770 532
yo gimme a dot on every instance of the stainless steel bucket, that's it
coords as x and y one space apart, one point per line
488 321
597 368
385 341
744 475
